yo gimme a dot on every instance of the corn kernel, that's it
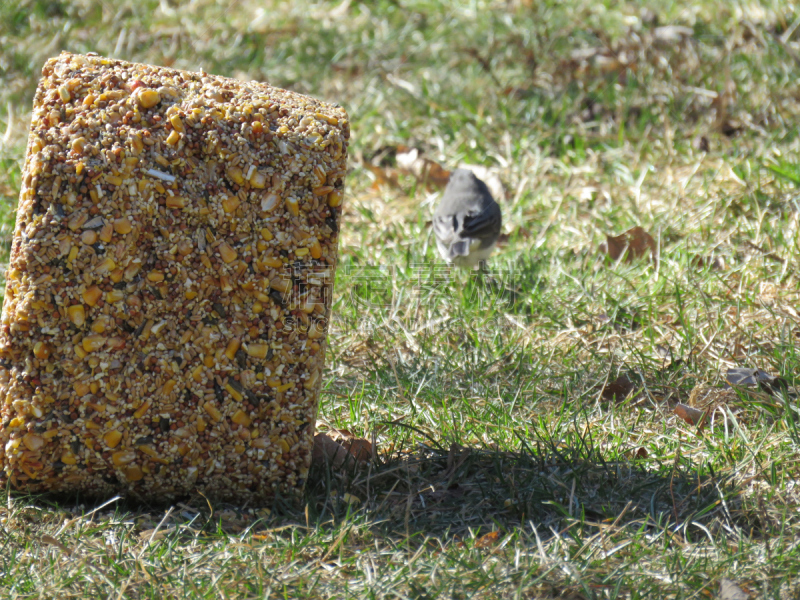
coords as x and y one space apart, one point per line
234 392
173 138
148 98
155 276
106 266
241 418
123 226
190 295
235 174
334 198
114 180
168 387
73 254
258 180
92 295
282 444
79 352
332 120
123 457
232 348
140 412
41 350
114 296
316 250
32 441
106 231
78 144
230 204
256 350
284 387
176 122
112 438
197 373
200 424
273 261
134 473
93 342
227 253
257 308
300 251
213 411
294 208
116 275
323 190
176 201
68 458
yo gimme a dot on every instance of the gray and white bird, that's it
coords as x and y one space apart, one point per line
467 222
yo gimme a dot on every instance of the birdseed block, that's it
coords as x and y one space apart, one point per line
169 287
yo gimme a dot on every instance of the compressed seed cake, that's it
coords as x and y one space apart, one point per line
169 285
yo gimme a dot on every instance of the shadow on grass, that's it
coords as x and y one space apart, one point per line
463 492
459 492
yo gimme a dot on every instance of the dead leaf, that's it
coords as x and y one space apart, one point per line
156 533
490 539
634 243
688 413
618 389
412 161
641 452
729 590
383 176
49 539
329 452
359 448
755 377
706 397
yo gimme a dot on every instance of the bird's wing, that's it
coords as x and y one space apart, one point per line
483 224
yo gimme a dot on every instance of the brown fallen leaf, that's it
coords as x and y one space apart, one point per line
359 448
618 389
383 176
49 539
329 452
489 539
412 161
688 413
634 243
156 533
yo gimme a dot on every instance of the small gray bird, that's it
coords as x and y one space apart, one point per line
467 222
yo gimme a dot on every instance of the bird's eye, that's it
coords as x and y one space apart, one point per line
455 223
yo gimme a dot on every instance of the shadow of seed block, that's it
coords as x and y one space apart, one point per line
169 287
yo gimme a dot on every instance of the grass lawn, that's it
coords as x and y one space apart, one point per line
524 423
